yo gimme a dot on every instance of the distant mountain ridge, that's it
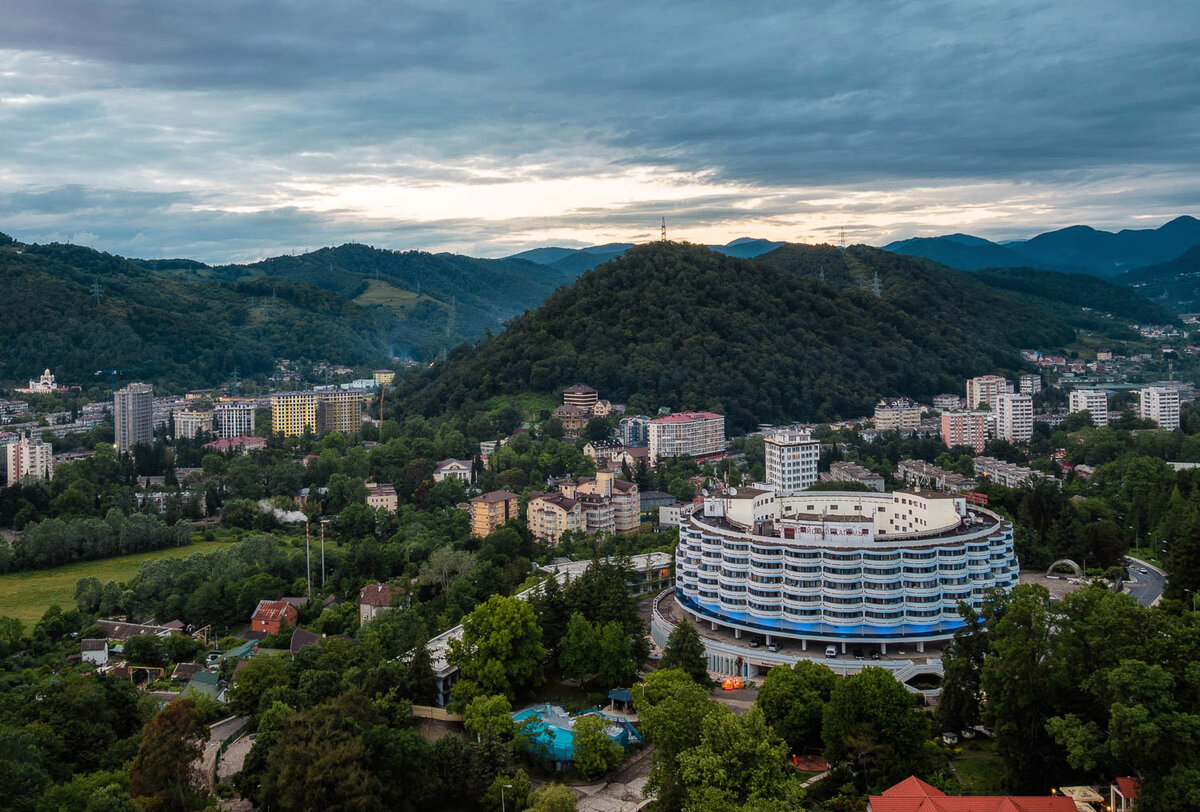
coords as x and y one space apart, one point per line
1076 248
574 261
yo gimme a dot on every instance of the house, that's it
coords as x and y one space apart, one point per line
375 598
493 509
573 418
185 671
1123 793
244 651
609 504
552 514
116 630
630 456
382 497
457 469
95 652
603 452
209 684
302 638
269 616
914 795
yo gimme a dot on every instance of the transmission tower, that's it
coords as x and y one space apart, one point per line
876 288
664 229
843 236
96 292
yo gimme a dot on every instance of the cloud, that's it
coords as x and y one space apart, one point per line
242 128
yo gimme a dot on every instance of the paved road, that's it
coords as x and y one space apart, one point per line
1145 587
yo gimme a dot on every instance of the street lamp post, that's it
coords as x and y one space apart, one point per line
502 788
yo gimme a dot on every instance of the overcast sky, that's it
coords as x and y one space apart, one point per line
236 130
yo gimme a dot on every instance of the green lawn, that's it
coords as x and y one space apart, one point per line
530 404
981 770
27 595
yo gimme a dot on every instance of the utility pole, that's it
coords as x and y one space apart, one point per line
308 559
324 522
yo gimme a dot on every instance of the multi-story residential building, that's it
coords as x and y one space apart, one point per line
835 568
382 497
634 431
853 472
133 416
234 417
966 428
453 469
384 377
985 390
1009 474
792 458
1030 384
609 504
293 413
581 395
552 514
1160 404
29 458
925 475
491 510
573 418
190 422
1092 401
947 402
691 434
1014 418
897 413
603 452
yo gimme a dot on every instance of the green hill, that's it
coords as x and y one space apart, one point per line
1069 293
1175 283
760 340
192 333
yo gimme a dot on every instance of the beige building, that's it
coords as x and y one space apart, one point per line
190 422
603 452
581 395
133 416
382 497
965 428
573 418
687 434
897 413
293 413
853 472
339 411
29 458
384 377
234 417
491 510
373 599
453 469
552 514
984 390
609 504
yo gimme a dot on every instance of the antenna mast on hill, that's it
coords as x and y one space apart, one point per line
664 229
843 236
875 286
96 292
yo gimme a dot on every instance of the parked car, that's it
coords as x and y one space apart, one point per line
755 642
831 652
875 655
1144 571
772 646
858 654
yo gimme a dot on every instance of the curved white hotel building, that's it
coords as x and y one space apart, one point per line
839 567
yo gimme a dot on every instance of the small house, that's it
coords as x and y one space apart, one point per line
95 652
271 615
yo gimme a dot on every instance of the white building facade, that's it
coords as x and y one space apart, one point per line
234 418
792 458
1014 418
29 458
985 390
686 434
1160 404
1092 401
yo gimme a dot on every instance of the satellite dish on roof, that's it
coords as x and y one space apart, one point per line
704 491
733 491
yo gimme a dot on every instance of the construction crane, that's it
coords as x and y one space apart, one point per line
118 370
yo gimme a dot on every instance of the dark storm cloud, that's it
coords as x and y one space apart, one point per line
224 104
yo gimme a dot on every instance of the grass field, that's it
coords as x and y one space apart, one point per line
385 295
530 404
981 770
27 595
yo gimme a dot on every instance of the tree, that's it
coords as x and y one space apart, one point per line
962 699
500 651
258 676
160 776
595 752
598 428
792 706
579 655
144 649
685 651
671 708
554 798
872 723
738 760
489 714
614 657
508 792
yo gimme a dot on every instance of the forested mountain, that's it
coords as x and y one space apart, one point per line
192 333
1076 248
1068 293
572 262
761 340
1176 283
430 301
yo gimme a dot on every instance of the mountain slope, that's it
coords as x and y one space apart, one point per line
746 247
1068 293
685 327
965 255
193 333
1175 283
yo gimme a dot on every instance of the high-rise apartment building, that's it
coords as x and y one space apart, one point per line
1160 404
692 434
339 411
792 458
234 417
965 428
985 389
190 422
1014 417
133 416
293 413
1092 401
1030 384
29 457
635 430
897 413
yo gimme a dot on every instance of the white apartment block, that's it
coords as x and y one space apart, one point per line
1014 418
29 457
897 413
690 434
985 389
792 458
947 402
1030 384
234 418
190 422
1160 404
1093 401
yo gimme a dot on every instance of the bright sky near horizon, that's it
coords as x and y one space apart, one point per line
237 130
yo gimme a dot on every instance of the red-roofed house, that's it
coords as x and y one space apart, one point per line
373 599
914 795
1123 794
270 615
240 444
